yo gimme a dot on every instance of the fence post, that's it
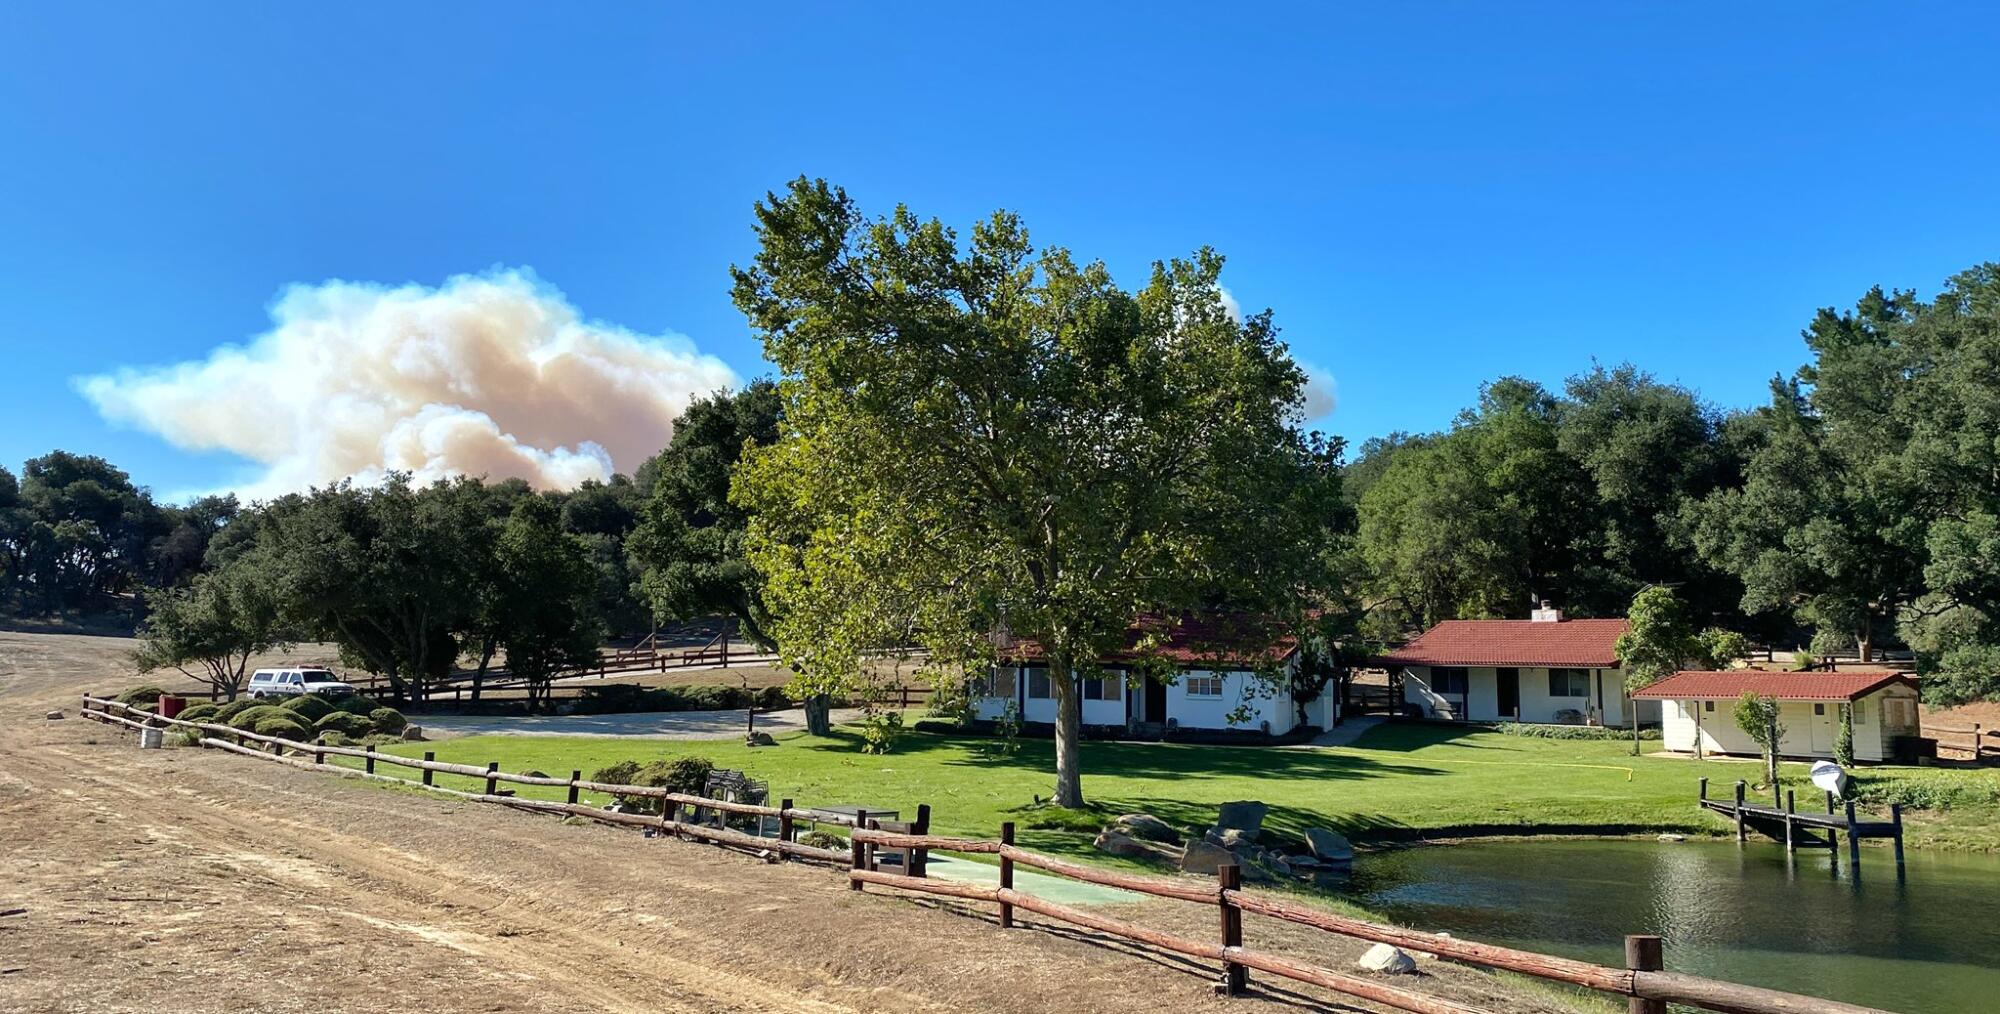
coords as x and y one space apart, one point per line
429 775
1642 954
574 776
919 859
492 783
784 826
1704 789
857 858
1235 977
319 749
368 762
1006 875
1739 810
1976 741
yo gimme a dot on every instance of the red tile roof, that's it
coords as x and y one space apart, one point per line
1583 644
1193 641
1785 686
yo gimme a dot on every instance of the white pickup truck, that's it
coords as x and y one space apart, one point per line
287 682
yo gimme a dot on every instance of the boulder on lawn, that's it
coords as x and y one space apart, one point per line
1205 857
1235 839
1147 827
1117 843
1331 846
54 715
1388 960
1243 815
412 733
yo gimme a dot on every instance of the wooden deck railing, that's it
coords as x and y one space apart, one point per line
1644 982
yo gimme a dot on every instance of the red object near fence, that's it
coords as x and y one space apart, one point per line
171 706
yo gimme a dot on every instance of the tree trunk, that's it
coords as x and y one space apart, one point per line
819 715
1771 755
479 675
1069 733
1864 646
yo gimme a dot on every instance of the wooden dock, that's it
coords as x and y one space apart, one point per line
1807 830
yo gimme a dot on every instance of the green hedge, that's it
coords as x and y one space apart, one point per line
624 698
201 713
148 694
346 723
387 721
309 707
285 726
1533 731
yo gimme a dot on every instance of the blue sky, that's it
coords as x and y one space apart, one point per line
1428 196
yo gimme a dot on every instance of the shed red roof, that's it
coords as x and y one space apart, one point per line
1582 644
1701 684
1193 641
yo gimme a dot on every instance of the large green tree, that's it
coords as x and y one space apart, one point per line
209 629
544 597
981 437
689 538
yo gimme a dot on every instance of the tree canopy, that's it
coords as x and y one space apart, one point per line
982 437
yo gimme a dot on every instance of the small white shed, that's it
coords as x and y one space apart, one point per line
1698 710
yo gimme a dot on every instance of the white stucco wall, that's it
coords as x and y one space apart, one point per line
1482 698
1806 734
1261 701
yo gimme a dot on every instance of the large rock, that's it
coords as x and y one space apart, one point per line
1387 960
1235 839
1205 856
1331 846
413 733
54 715
1119 844
1243 815
1146 826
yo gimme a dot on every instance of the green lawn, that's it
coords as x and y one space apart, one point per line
1398 782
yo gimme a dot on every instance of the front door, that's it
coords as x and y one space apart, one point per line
1825 728
1509 685
1156 701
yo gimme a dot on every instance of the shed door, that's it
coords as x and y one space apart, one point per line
1825 726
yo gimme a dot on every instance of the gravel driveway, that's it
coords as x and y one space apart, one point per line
652 724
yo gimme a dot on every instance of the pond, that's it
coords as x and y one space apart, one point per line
1925 943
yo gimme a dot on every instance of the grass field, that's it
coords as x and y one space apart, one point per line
1398 782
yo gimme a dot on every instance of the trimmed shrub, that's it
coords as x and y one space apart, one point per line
248 718
236 707
309 707
773 699
345 723
353 704
148 694
284 726
387 721
687 775
1533 731
201 713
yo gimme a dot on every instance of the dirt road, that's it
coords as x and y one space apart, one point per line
190 880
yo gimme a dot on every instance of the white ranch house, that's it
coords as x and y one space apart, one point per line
1546 669
1216 687
1700 710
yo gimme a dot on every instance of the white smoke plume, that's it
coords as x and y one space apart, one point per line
493 375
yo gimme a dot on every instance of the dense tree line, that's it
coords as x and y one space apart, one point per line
1859 508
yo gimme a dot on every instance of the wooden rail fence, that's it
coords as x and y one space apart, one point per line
1644 982
1972 741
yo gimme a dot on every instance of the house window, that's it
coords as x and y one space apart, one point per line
1449 679
1819 709
1209 685
999 683
1860 713
1569 683
1108 689
1708 706
1038 683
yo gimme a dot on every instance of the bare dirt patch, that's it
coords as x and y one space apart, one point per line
197 881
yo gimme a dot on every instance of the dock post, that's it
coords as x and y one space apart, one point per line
1642 954
1829 800
1853 840
1790 845
1896 817
1739 810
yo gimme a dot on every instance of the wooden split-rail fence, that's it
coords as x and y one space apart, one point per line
1645 984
